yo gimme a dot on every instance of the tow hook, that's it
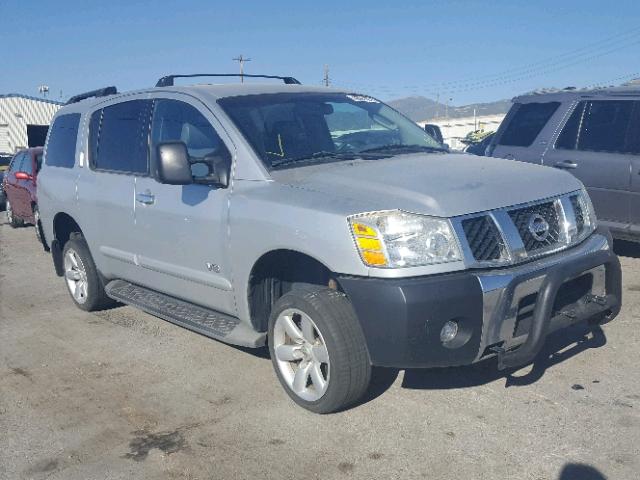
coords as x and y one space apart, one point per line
569 314
602 301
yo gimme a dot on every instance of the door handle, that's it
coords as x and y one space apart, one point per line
146 198
567 164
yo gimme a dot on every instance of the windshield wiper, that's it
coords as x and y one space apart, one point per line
316 157
404 149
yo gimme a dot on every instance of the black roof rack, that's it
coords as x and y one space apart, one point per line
168 80
100 92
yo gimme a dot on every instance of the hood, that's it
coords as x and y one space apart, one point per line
443 185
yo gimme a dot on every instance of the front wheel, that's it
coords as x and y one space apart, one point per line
318 349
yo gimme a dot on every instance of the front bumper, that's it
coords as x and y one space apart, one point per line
506 311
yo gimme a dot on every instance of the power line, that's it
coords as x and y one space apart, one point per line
574 57
415 89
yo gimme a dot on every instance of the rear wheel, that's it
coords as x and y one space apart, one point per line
81 276
318 349
14 221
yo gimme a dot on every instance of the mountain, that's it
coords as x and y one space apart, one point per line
419 108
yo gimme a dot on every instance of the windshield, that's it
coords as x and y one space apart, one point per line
291 128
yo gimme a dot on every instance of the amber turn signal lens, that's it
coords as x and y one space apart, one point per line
361 229
374 258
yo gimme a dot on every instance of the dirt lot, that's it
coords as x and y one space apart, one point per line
120 395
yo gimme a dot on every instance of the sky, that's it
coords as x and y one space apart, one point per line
459 52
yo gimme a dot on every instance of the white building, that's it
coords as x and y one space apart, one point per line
455 129
24 121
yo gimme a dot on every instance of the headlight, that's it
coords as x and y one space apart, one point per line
396 239
587 212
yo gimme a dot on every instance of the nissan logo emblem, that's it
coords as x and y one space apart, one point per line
538 227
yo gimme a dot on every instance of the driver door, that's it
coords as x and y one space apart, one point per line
182 229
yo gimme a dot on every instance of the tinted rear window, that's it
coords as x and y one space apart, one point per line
61 147
527 122
603 126
118 137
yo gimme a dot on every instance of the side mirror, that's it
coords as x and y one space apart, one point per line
214 170
173 164
222 170
434 131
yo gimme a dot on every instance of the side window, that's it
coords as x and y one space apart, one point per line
16 163
568 138
527 123
118 137
176 121
604 126
633 134
27 164
61 146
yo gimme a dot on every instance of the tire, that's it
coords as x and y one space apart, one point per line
14 221
38 226
81 276
317 385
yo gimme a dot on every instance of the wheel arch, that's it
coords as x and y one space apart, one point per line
277 272
64 226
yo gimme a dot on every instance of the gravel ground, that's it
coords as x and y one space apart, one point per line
120 394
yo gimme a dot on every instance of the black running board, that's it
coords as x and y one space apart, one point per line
202 320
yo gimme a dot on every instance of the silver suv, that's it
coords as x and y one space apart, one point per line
594 134
320 222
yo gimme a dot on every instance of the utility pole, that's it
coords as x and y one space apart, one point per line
241 59
43 90
325 77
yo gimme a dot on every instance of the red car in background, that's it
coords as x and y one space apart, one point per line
19 185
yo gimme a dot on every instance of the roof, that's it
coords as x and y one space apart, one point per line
211 92
629 90
29 97
236 89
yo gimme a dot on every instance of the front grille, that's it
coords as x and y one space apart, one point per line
522 218
522 232
577 210
484 238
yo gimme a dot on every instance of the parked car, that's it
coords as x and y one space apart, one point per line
320 222
19 185
479 147
594 134
4 165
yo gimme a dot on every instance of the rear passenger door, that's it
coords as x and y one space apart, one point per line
182 230
593 145
118 156
526 131
11 185
634 195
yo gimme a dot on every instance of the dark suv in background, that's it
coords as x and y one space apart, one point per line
594 134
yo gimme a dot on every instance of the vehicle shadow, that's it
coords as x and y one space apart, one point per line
580 471
560 346
626 249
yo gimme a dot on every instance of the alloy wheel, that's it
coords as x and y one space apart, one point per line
301 354
76 276
9 212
